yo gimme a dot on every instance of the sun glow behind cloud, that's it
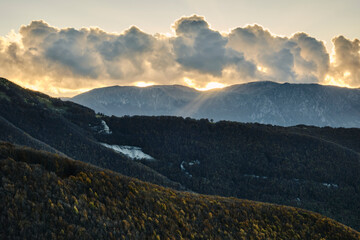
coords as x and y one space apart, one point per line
212 85
13 37
338 82
34 87
144 84
39 86
262 69
208 86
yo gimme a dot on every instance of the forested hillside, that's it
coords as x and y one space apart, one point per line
64 126
259 162
303 166
46 196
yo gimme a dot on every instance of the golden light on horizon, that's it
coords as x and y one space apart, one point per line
189 82
143 84
212 85
41 86
34 87
338 82
69 92
208 86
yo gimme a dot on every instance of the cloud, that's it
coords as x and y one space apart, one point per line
299 58
312 56
346 64
76 58
197 47
66 61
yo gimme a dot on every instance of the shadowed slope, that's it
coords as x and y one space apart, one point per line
66 127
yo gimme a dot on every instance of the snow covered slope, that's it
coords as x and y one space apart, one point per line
130 151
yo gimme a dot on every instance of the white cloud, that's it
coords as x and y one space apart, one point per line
346 65
299 58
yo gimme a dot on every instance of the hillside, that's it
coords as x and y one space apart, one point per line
66 127
11 133
154 100
263 102
46 196
303 166
292 166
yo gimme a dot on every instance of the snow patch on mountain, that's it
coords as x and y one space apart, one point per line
130 151
328 185
105 128
183 163
184 169
255 176
196 162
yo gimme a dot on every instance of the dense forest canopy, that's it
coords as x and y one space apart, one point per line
47 196
312 168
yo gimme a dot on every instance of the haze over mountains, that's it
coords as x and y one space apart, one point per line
263 102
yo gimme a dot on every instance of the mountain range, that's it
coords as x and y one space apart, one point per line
262 102
301 166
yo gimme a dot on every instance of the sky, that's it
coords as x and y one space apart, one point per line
67 47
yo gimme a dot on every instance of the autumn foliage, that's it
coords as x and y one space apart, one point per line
47 196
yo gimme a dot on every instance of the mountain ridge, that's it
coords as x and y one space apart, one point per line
264 102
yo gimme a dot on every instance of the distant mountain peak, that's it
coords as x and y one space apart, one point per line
266 102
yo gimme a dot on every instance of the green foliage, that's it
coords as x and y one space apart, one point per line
91 203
